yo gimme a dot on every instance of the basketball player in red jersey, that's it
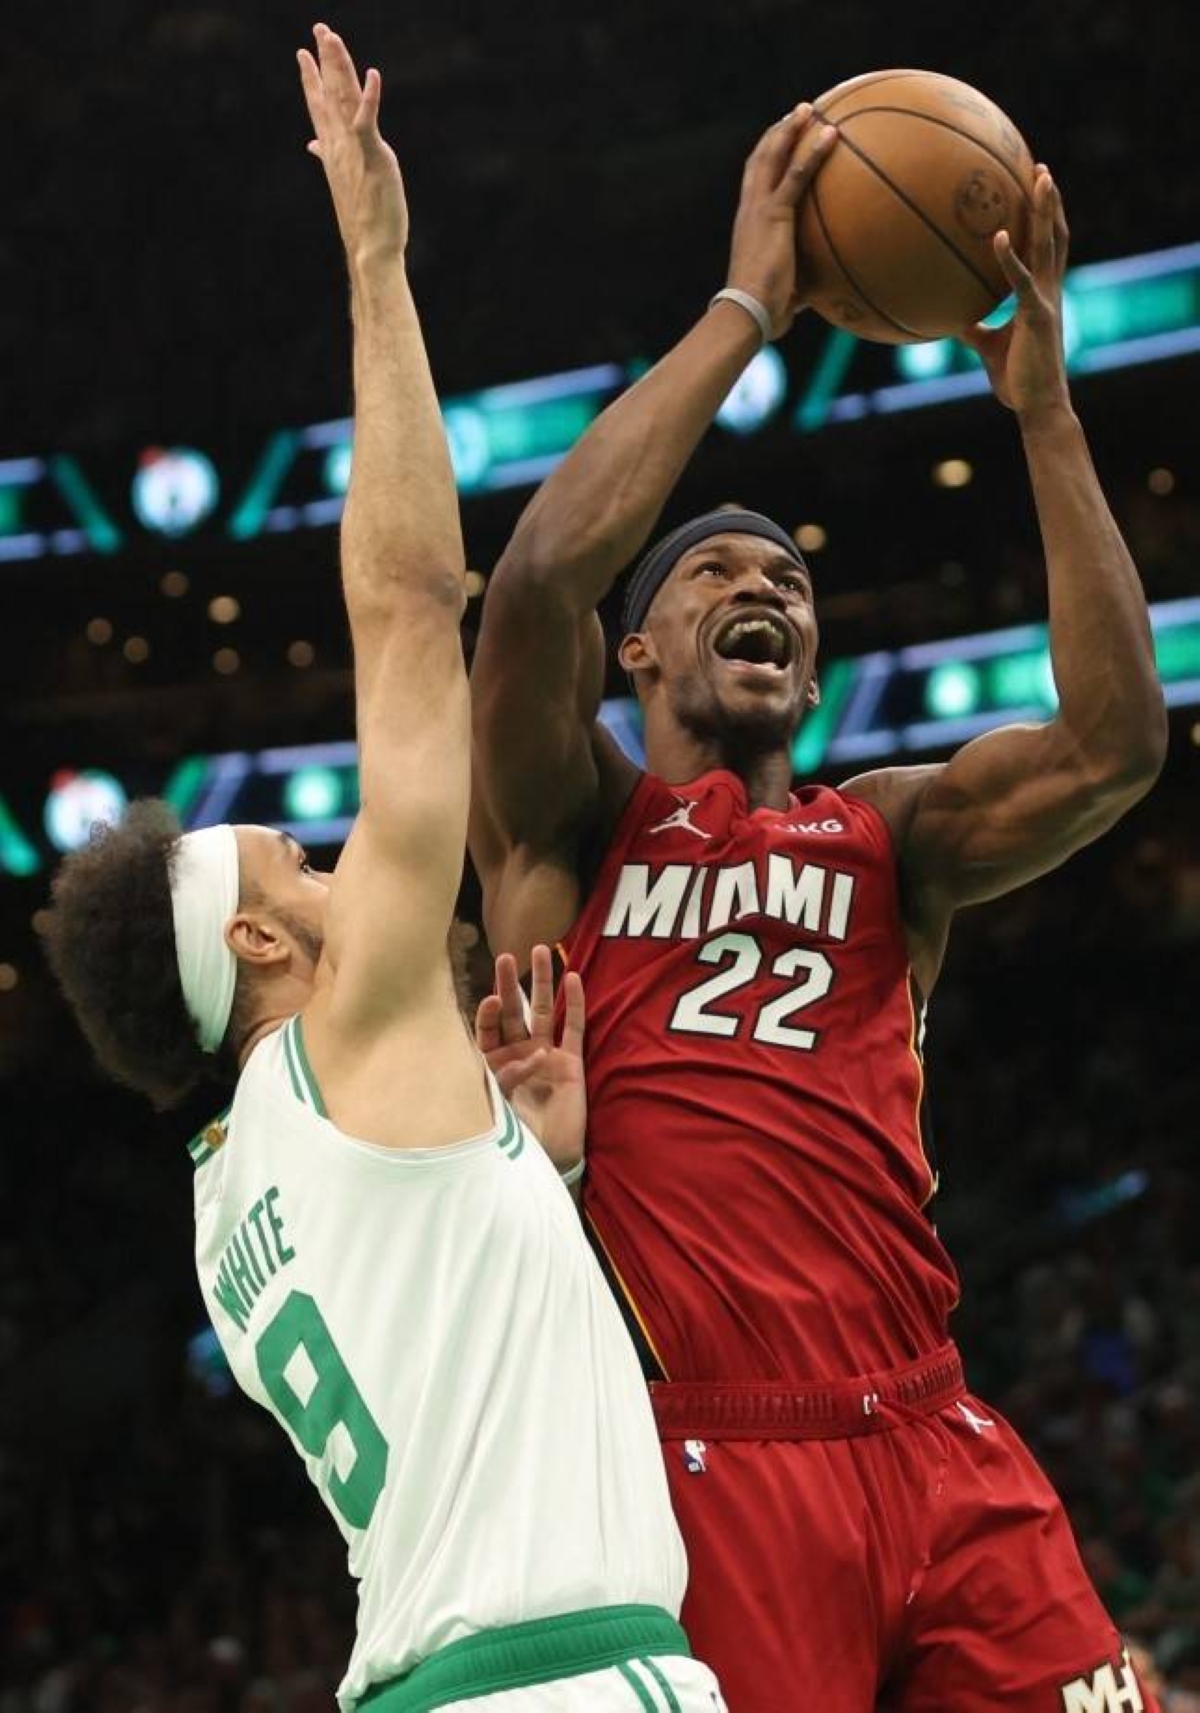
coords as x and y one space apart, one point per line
862 1533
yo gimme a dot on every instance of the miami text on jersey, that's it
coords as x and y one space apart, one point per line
685 900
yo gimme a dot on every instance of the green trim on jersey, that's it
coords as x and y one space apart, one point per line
205 1143
307 1090
541 1651
306 1072
512 1142
289 1059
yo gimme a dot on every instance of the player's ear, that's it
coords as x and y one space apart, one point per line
813 694
636 652
252 939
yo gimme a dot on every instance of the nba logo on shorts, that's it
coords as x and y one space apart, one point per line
694 1456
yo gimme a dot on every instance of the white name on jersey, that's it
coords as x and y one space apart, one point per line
686 900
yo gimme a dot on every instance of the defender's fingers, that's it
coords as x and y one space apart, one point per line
574 1015
366 120
515 1075
314 93
338 74
512 1000
541 996
487 1024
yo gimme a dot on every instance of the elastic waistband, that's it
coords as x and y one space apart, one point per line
868 1403
517 1655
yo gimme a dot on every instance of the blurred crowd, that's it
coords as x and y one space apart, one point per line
161 1552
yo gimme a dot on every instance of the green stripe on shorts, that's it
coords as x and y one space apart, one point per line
541 1651
668 1694
639 1688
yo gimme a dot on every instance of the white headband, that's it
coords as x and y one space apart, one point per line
204 895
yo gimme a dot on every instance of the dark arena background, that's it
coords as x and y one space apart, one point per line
174 448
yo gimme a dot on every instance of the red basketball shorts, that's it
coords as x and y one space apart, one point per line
887 1544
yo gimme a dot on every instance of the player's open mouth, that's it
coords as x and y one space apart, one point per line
756 639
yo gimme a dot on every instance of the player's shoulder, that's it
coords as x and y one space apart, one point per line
255 1097
891 794
210 1138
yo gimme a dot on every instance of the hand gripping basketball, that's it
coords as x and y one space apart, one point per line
1025 359
545 1082
763 257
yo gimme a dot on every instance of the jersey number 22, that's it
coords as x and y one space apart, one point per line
693 1017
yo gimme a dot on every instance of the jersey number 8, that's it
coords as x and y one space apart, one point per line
334 1401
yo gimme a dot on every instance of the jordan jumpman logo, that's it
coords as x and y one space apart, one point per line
682 818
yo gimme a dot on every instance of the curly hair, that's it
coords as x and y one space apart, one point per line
110 940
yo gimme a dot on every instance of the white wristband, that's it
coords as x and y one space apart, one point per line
755 310
573 1173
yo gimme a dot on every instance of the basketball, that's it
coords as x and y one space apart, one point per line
895 235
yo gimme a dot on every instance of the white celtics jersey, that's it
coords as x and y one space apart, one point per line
431 1328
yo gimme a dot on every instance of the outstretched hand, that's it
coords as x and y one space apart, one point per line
363 173
1025 359
545 1082
778 174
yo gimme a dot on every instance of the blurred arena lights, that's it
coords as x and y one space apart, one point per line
1161 481
136 650
888 703
301 653
175 584
313 793
224 609
99 631
953 473
953 690
174 490
1133 310
77 802
810 537
10 975
226 661
756 395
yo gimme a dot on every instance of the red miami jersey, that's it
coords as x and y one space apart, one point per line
757 1177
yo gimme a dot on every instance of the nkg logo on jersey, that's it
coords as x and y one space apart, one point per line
685 900
1105 1692
814 827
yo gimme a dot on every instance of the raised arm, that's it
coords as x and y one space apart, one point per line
402 570
538 672
1018 801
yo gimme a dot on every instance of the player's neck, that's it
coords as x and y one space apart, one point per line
283 998
679 756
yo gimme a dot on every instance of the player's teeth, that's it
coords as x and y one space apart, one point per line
755 627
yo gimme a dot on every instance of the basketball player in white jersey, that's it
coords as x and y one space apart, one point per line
390 1260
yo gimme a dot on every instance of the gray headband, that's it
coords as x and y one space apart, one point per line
653 571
